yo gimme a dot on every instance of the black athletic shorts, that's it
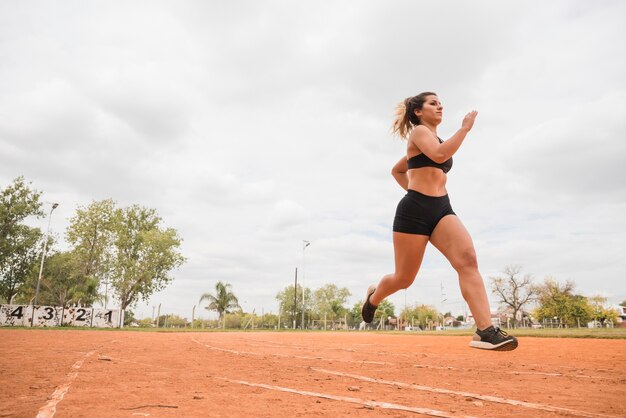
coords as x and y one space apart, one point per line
419 214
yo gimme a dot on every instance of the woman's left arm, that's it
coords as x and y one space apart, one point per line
399 172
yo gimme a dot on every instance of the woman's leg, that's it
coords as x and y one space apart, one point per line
408 253
452 239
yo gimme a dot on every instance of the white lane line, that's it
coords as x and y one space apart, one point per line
298 347
250 353
49 409
294 346
427 366
488 398
383 405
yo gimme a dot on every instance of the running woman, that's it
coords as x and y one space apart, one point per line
424 214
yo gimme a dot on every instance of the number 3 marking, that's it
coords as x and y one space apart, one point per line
49 313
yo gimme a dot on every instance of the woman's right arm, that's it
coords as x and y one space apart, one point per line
429 145
399 172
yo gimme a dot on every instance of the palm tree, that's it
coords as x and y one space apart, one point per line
223 301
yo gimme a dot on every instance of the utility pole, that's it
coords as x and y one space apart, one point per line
305 244
43 254
443 299
106 292
295 299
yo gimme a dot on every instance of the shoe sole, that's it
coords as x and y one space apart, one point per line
370 292
505 346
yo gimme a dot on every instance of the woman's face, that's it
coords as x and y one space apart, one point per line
432 110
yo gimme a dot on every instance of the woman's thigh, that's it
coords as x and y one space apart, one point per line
455 243
408 251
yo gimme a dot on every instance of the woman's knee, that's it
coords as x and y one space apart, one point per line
466 260
403 281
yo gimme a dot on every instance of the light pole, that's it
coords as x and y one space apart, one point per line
43 255
305 244
106 292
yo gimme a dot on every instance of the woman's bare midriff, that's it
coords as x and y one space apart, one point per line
430 181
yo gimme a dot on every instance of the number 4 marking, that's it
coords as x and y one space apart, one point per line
18 312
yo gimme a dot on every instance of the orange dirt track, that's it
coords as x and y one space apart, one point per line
82 373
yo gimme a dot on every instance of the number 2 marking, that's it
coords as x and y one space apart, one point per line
81 315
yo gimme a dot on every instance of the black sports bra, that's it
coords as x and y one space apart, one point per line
422 160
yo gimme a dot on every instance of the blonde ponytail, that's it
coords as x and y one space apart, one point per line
405 118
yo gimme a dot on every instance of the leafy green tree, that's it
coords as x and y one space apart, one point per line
354 315
91 233
126 246
233 320
421 315
144 254
513 290
623 303
600 311
558 300
170 321
145 323
223 301
17 202
129 317
268 321
329 300
385 309
62 286
25 246
20 245
285 300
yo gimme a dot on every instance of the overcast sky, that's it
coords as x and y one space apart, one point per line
253 125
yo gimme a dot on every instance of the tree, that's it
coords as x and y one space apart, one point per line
61 286
170 321
421 314
91 233
558 300
19 243
623 303
25 248
268 320
512 290
329 300
144 254
385 310
600 311
223 301
354 315
127 246
145 323
285 300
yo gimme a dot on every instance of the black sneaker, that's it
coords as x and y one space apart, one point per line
368 310
493 338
